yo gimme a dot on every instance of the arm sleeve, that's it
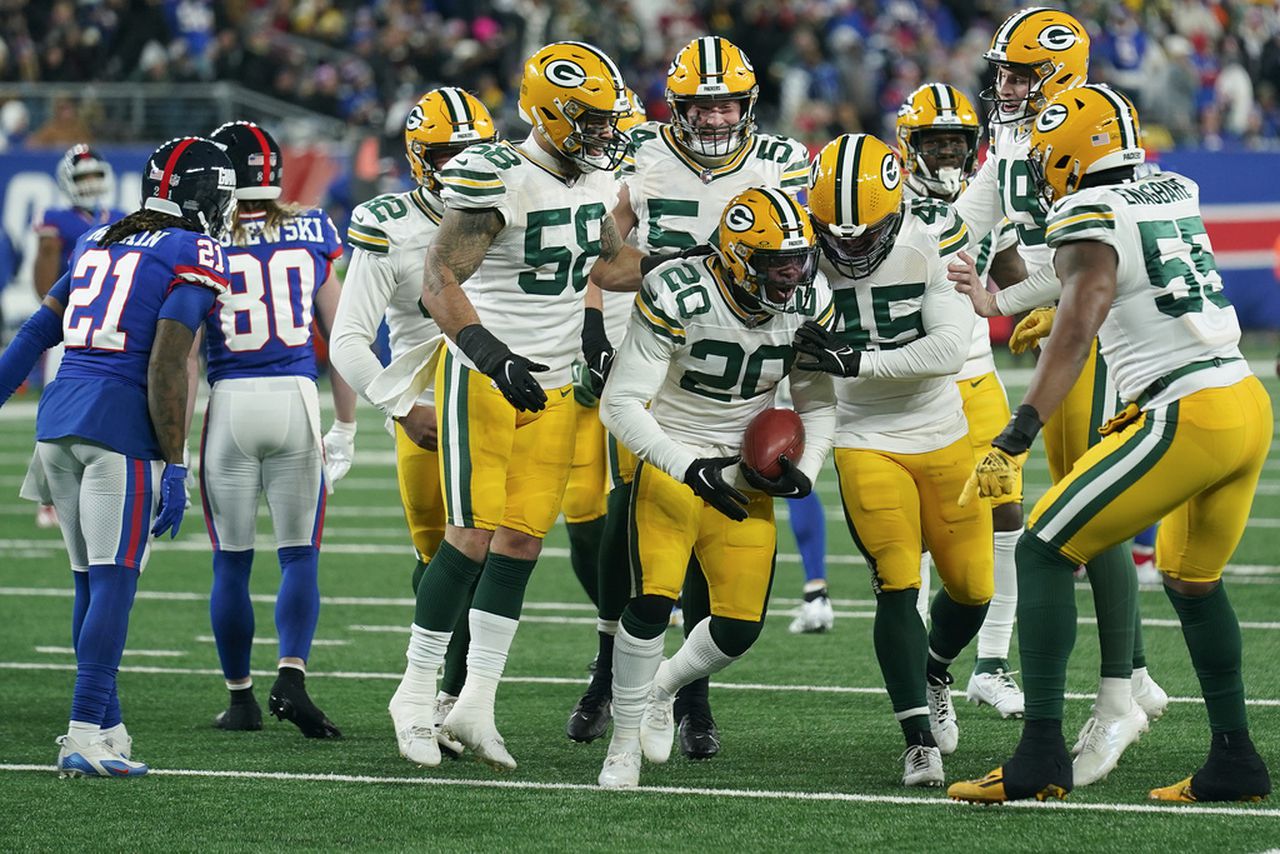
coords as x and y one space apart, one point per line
41 331
366 293
948 331
1040 288
473 182
1074 218
61 290
979 205
188 304
814 397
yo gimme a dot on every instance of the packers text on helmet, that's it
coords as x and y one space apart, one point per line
766 243
1081 132
938 139
443 123
855 201
1049 47
574 96
712 71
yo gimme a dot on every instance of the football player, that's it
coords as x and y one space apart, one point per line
127 311
708 341
389 236
524 225
1138 273
262 428
938 142
677 180
1037 53
902 441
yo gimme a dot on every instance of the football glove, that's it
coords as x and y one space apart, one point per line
511 374
995 476
597 352
1027 334
173 500
340 449
818 349
584 393
792 483
705 476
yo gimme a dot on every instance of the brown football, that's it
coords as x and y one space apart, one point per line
771 434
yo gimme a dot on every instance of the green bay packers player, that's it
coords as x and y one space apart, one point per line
902 446
524 225
677 180
938 140
389 236
709 340
1038 53
1138 272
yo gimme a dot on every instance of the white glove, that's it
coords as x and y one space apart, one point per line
340 448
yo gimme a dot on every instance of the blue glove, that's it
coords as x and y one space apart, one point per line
173 500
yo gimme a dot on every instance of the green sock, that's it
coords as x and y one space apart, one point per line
614 566
1115 601
901 647
695 598
1139 646
455 657
953 626
501 587
418 570
1046 625
443 590
1212 633
584 554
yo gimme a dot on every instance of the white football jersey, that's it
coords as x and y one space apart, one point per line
528 290
914 331
1003 189
1169 310
709 367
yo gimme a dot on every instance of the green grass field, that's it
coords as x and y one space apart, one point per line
810 758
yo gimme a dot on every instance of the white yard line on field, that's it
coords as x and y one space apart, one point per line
264 641
141 653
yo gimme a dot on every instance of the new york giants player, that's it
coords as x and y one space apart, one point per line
262 427
127 311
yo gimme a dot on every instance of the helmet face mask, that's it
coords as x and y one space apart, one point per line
708 139
779 280
85 178
944 159
855 202
858 256
765 243
595 141
707 75
574 96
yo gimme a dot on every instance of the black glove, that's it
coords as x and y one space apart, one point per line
818 349
1017 436
792 483
648 262
512 374
705 476
597 352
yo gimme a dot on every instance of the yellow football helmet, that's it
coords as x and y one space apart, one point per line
855 201
574 96
636 116
766 243
440 125
1050 46
712 69
929 113
1080 132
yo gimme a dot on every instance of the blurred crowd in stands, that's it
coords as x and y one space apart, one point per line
1203 72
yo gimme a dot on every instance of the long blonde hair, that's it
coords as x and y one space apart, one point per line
277 212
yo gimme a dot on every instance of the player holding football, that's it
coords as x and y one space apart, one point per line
902 444
1138 273
389 237
709 340
127 311
262 428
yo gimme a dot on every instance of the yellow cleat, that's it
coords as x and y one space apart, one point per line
1180 793
990 790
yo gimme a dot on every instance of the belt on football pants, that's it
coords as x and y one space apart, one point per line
1134 409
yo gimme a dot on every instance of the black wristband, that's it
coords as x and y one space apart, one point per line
1017 436
482 347
648 262
594 336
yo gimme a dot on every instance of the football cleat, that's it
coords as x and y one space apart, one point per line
922 766
1181 793
699 738
657 727
1233 771
592 713
998 690
1148 694
942 714
474 727
991 790
1102 741
289 701
415 729
80 756
814 616
621 769
118 740
240 717
444 705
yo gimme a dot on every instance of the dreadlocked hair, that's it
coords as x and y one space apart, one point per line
144 220
269 226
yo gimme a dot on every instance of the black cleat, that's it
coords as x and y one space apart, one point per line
591 716
1233 772
240 717
699 738
289 702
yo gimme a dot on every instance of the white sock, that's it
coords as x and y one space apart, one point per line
1115 695
697 657
607 627
815 584
635 660
426 656
491 636
997 628
239 684
926 582
83 732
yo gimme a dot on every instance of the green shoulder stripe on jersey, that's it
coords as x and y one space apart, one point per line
657 320
954 238
368 238
1085 229
470 175
827 316
1075 212
659 312
477 192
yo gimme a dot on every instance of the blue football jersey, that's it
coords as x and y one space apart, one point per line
262 325
114 297
70 224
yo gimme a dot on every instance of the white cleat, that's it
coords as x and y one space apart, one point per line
922 766
474 727
942 716
415 729
998 690
658 727
621 769
444 705
1148 694
1102 741
814 617
89 756
117 739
